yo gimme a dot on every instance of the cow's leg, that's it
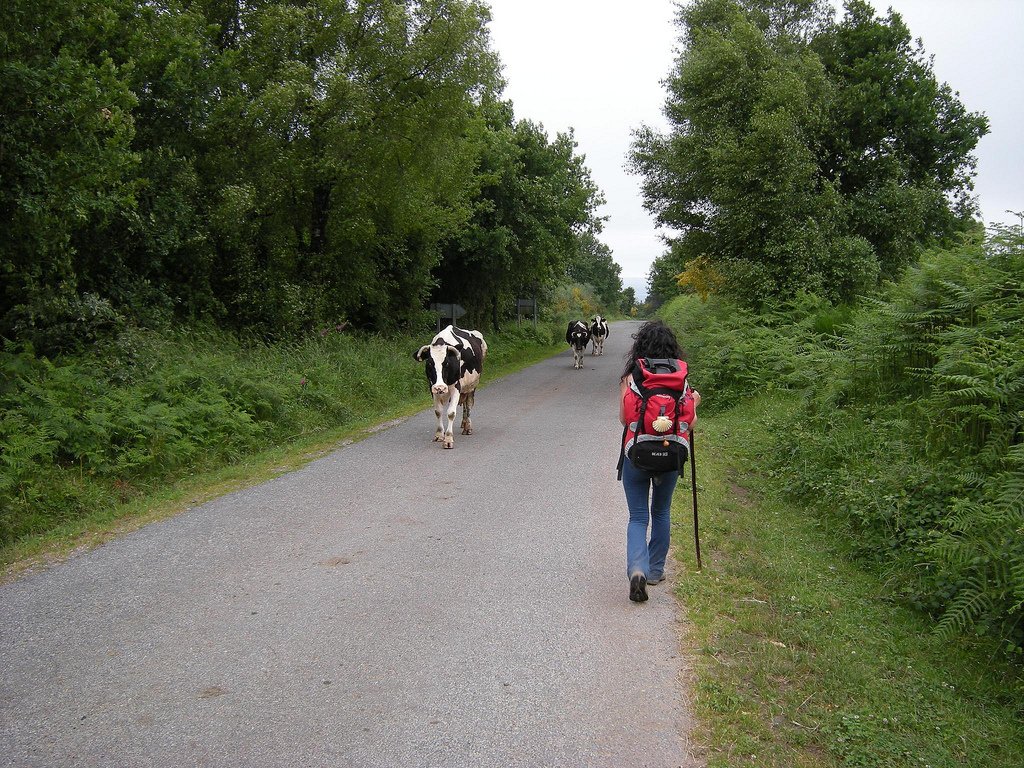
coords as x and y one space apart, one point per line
439 413
453 405
467 405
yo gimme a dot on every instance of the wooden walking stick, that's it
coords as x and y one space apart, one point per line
693 482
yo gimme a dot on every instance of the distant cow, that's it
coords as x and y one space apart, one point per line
454 360
577 336
598 333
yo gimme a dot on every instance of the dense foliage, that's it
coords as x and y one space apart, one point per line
273 165
192 189
912 433
532 225
803 154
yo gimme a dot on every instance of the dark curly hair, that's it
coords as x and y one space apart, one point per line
653 339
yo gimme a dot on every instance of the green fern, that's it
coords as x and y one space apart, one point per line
965 609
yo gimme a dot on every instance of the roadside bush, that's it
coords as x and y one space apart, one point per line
61 321
911 436
571 302
735 352
941 364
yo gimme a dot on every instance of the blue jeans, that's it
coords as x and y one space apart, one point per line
647 507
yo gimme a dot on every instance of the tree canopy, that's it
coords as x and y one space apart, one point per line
532 216
272 165
804 153
594 265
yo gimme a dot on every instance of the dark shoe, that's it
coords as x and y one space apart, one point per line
637 588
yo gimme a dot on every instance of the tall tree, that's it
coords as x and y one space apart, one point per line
898 145
663 277
593 265
66 161
355 125
755 171
157 257
270 163
534 202
628 302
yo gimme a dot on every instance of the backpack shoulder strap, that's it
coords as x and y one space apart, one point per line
637 379
622 450
637 384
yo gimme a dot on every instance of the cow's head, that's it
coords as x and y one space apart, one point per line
443 366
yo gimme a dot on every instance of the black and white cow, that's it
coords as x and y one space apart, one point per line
454 360
577 336
598 332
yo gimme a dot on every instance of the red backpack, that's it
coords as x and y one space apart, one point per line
659 410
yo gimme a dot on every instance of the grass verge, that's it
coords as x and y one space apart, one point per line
162 499
801 658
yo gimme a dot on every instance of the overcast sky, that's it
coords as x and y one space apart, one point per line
597 65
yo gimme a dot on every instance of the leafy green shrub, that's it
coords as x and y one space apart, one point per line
61 321
734 352
962 326
912 432
571 302
507 346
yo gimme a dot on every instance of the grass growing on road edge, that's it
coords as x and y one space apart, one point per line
163 496
800 657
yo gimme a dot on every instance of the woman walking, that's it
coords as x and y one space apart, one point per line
649 494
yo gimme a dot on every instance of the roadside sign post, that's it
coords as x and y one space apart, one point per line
526 306
447 314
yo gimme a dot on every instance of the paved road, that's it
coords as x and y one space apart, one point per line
391 605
